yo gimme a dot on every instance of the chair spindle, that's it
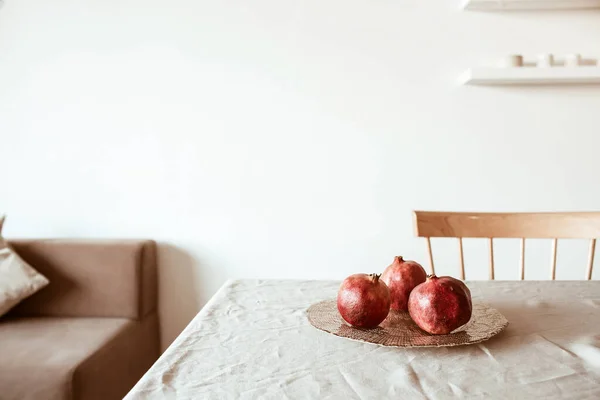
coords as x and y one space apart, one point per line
522 261
590 265
430 254
491 242
462 259
554 246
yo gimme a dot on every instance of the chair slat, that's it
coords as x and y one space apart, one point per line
576 225
590 265
430 254
522 261
462 259
491 242
554 246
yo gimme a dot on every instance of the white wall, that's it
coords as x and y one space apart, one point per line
278 138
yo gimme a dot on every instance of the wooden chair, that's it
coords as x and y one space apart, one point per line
573 225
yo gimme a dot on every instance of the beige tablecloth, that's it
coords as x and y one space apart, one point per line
253 341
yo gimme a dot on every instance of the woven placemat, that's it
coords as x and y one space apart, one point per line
399 330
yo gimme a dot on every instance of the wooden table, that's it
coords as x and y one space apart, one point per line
253 341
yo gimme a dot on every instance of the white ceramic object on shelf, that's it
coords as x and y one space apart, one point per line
512 61
531 76
572 60
545 61
515 5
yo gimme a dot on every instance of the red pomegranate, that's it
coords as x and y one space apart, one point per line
401 277
440 305
466 289
363 300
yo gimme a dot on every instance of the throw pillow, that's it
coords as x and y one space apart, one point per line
18 280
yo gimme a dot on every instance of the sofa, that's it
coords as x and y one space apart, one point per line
92 332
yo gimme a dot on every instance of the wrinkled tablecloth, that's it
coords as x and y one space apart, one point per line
252 340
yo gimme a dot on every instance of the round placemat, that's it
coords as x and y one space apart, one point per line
399 330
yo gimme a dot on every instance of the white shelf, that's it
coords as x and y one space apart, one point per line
532 76
515 5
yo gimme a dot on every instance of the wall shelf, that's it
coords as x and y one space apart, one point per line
531 76
515 5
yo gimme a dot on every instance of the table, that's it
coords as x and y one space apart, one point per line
252 341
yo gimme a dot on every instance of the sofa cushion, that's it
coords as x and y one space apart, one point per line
18 280
91 278
74 358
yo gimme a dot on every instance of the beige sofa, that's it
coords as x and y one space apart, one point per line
92 332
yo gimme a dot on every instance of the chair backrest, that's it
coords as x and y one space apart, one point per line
572 225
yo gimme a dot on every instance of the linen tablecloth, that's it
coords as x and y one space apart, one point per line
253 341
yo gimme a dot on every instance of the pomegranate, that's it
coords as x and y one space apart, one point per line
363 300
466 289
401 277
440 305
